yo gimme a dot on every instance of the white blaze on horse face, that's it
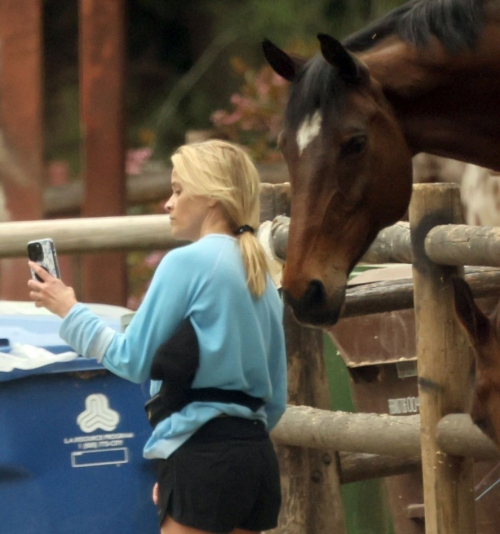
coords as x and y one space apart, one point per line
308 130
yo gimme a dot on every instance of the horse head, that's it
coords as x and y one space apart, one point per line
350 170
484 334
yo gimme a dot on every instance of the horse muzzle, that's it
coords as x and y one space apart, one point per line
315 307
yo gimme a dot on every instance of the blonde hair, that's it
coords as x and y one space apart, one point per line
224 172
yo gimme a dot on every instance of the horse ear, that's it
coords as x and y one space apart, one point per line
339 57
474 321
280 61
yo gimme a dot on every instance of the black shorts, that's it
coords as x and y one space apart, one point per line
225 476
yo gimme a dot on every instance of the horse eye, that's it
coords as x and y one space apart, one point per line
354 146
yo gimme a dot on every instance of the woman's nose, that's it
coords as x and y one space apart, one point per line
168 206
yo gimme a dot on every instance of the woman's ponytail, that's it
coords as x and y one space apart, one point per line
254 260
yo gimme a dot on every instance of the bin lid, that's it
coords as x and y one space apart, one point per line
401 271
380 338
22 322
389 337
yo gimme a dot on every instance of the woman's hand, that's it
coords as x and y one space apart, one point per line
156 494
51 293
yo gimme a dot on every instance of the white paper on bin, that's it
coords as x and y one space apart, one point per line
31 357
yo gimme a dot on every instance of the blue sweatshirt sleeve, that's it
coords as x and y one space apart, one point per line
166 304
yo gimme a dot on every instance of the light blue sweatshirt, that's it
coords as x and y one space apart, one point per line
242 345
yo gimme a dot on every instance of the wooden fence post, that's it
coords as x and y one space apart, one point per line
312 501
102 74
443 366
21 131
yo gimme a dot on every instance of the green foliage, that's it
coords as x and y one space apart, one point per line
284 21
255 118
255 110
166 42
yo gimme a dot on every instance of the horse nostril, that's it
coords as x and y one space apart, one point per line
314 306
315 294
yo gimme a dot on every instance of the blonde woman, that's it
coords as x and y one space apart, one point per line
209 332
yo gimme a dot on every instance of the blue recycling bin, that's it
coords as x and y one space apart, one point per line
71 439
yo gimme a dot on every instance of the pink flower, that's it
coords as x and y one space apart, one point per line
278 80
153 259
133 302
218 116
232 119
135 160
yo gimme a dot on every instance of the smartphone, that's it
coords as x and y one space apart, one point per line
43 252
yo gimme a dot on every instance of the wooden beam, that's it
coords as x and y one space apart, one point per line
150 232
391 295
450 244
392 243
98 234
21 133
355 467
102 67
393 435
459 436
379 434
461 244
443 366
101 234
150 186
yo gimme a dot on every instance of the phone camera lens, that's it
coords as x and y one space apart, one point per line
35 252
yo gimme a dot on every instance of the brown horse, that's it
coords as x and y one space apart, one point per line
425 78
484 335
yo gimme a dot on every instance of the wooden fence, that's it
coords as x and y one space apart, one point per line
372 445
438 246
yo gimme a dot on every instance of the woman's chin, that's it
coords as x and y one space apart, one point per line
180 236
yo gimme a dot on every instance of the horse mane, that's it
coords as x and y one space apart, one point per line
320 88
456 23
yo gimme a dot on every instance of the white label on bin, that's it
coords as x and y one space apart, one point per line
108 448
404 405
96 458
98 415
99 449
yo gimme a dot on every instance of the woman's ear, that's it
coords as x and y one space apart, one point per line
212 202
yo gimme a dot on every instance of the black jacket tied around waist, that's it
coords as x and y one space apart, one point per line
175 363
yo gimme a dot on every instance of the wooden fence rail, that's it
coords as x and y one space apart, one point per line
151 186
152 232
381 434
450 244
99 234
93 234
391 295
459 244
393 244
